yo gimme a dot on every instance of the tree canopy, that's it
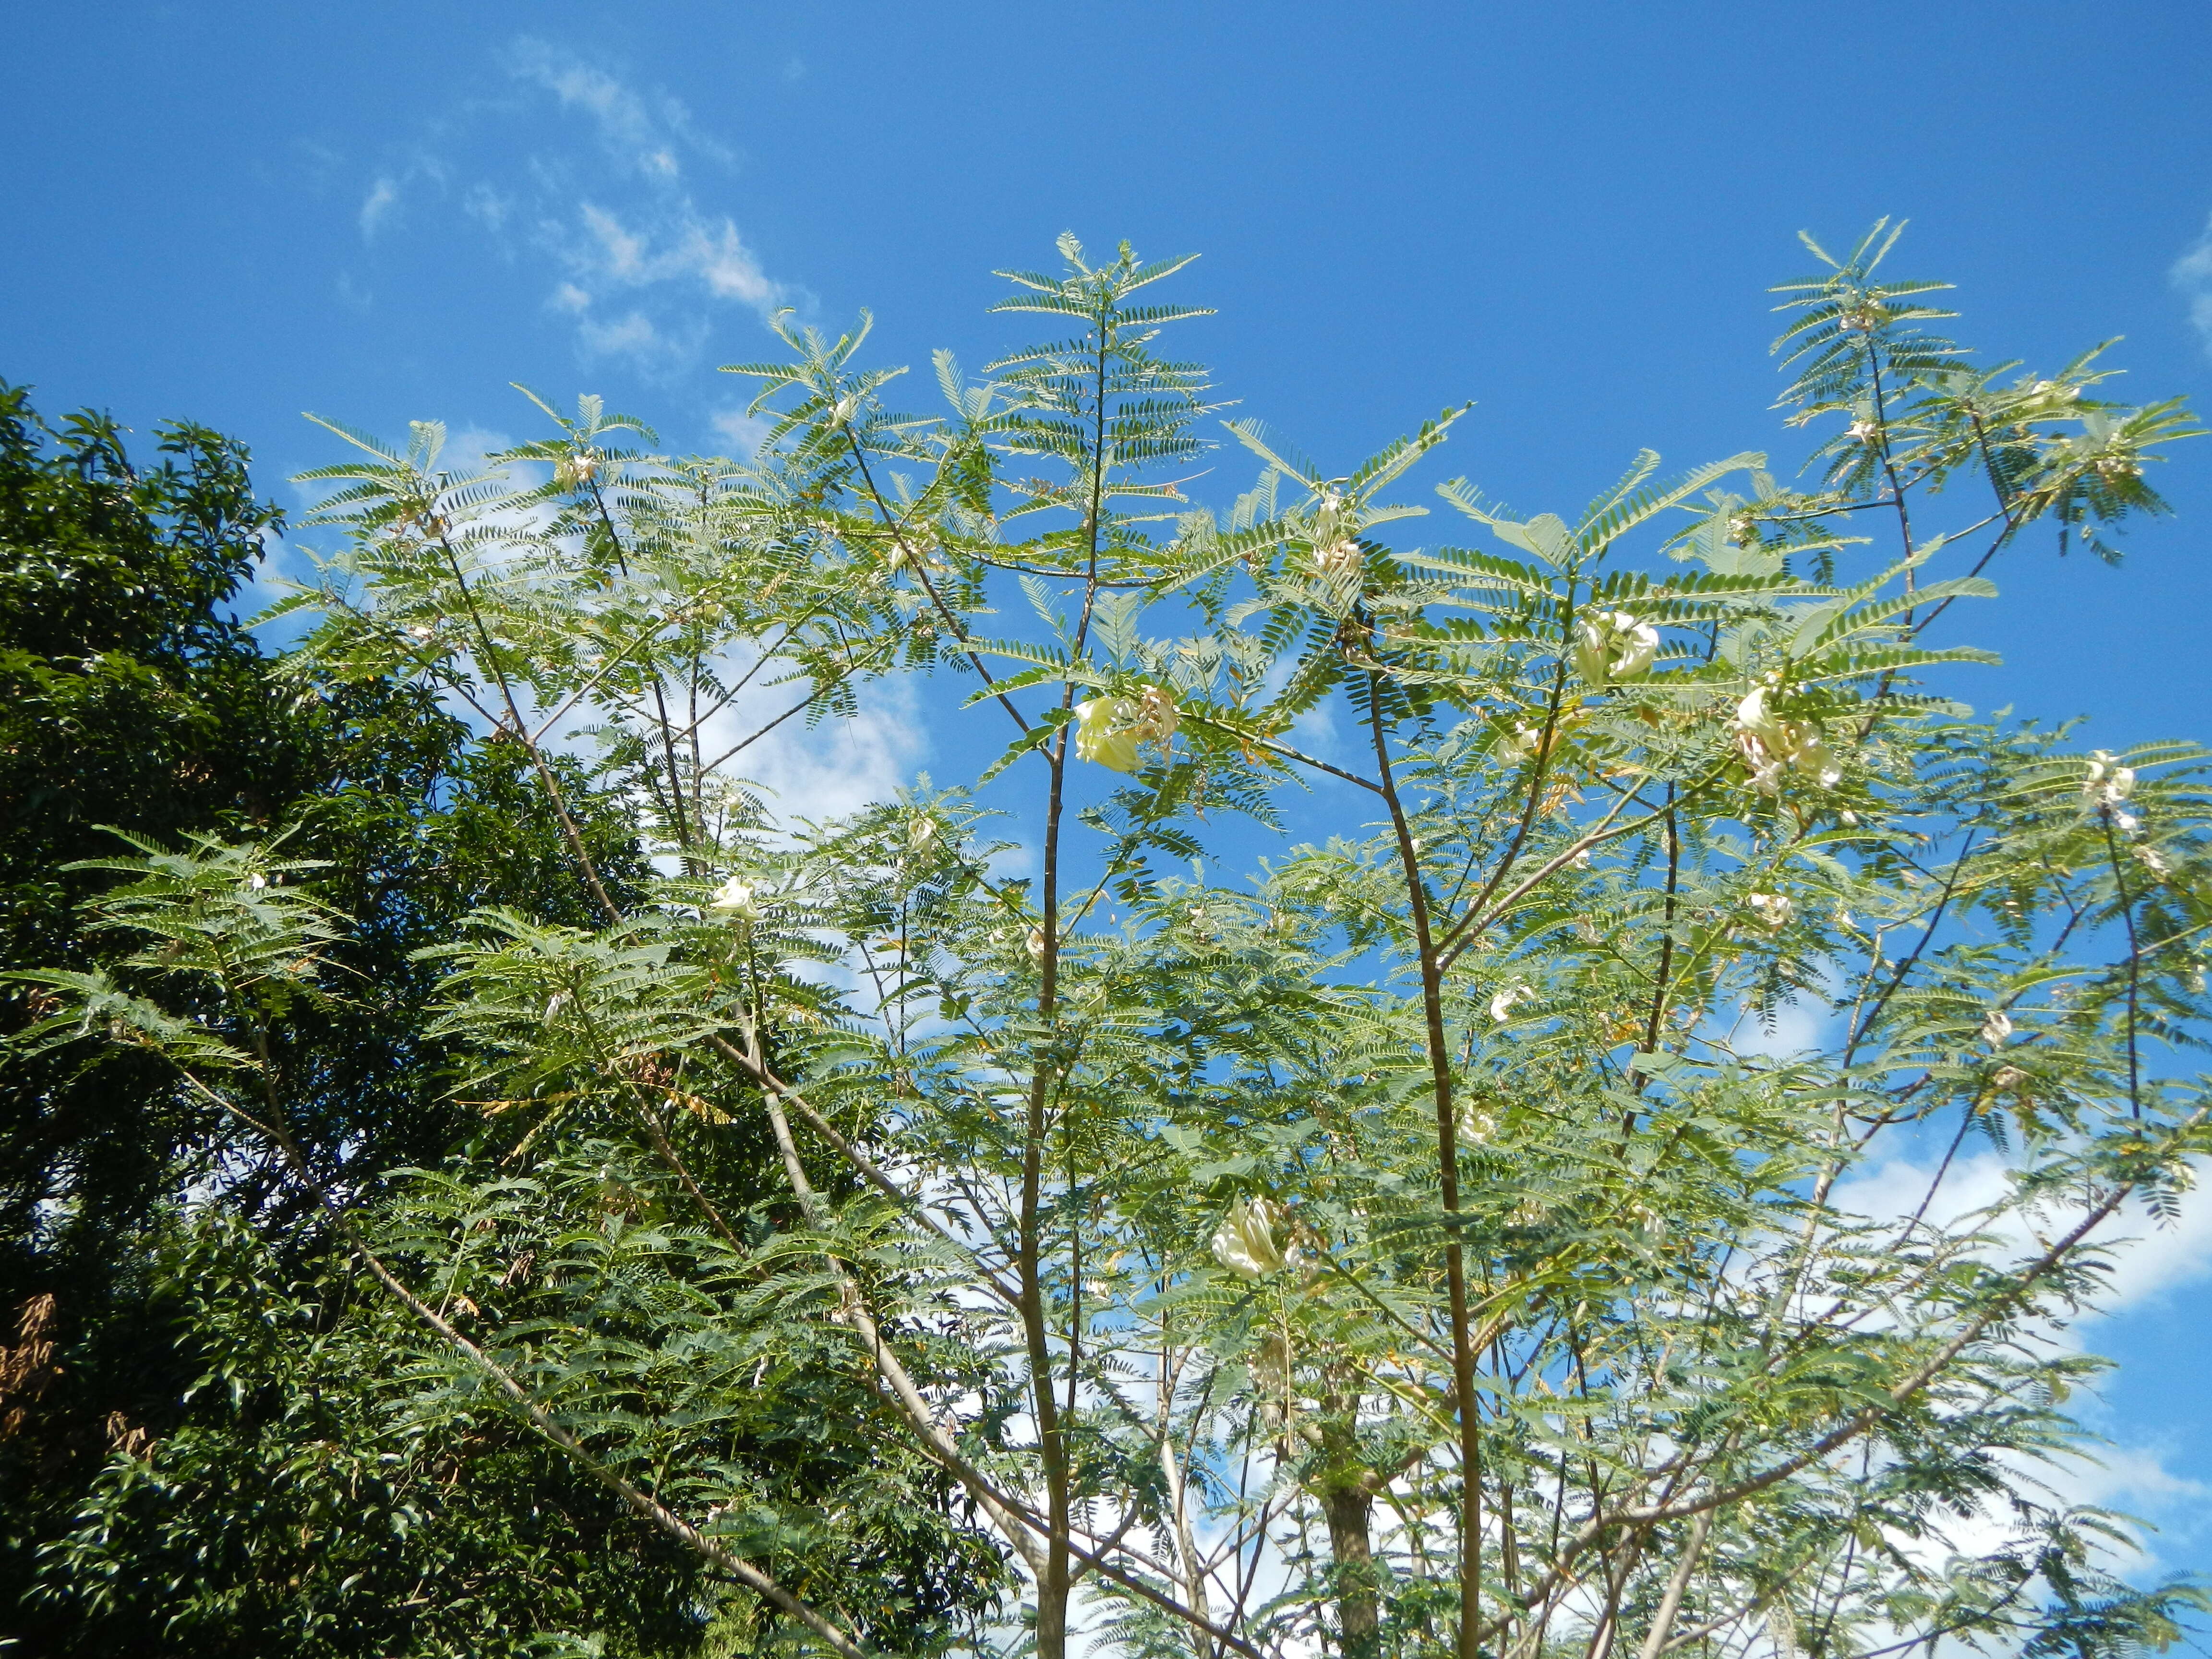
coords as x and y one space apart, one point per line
620 1209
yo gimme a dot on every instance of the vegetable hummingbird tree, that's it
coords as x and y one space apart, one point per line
1423 1245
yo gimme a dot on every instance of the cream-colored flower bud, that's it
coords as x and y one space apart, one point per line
1996 1028
2108 783
1814 758
734 898
1512 747
1504 1002
1338 560
1103 734
1752 715
1036 944
1245 1242
1774 910
1613 646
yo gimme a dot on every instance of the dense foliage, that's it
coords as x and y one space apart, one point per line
971 1223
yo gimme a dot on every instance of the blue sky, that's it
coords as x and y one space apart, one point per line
1568 213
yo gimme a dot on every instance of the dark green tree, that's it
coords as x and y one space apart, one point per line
215 1437
136 701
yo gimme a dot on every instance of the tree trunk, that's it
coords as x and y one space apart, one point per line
1350 1508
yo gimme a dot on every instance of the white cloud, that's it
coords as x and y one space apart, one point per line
1794 1028
2165 1255
649 348
488 207
2153 1256
741 433
678 246
725 265
622 254
383 196
616 219
2192 274
643 132
823 771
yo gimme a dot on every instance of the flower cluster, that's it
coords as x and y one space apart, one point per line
1774 910
1245 1242
734 899
1771 745
1109 729
1612 646
1338 560
2108 783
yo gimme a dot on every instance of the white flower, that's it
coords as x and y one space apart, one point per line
2126 823
1511 748
1612 645
1475 1127
2154 861
1103 734
2108 784
1996 1028
1501 1005
421 631
1772 744
1245 1242
921 830
734 898
1109 729
1773 909
1864 431
1814 758
257 881
1338 560
554 1003
1036 942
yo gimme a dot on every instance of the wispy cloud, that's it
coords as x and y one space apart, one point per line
646 345
2192 274
678 247
377 206
740 430
648 134
639 266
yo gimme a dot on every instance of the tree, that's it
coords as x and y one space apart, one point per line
1406 1250
137 1314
